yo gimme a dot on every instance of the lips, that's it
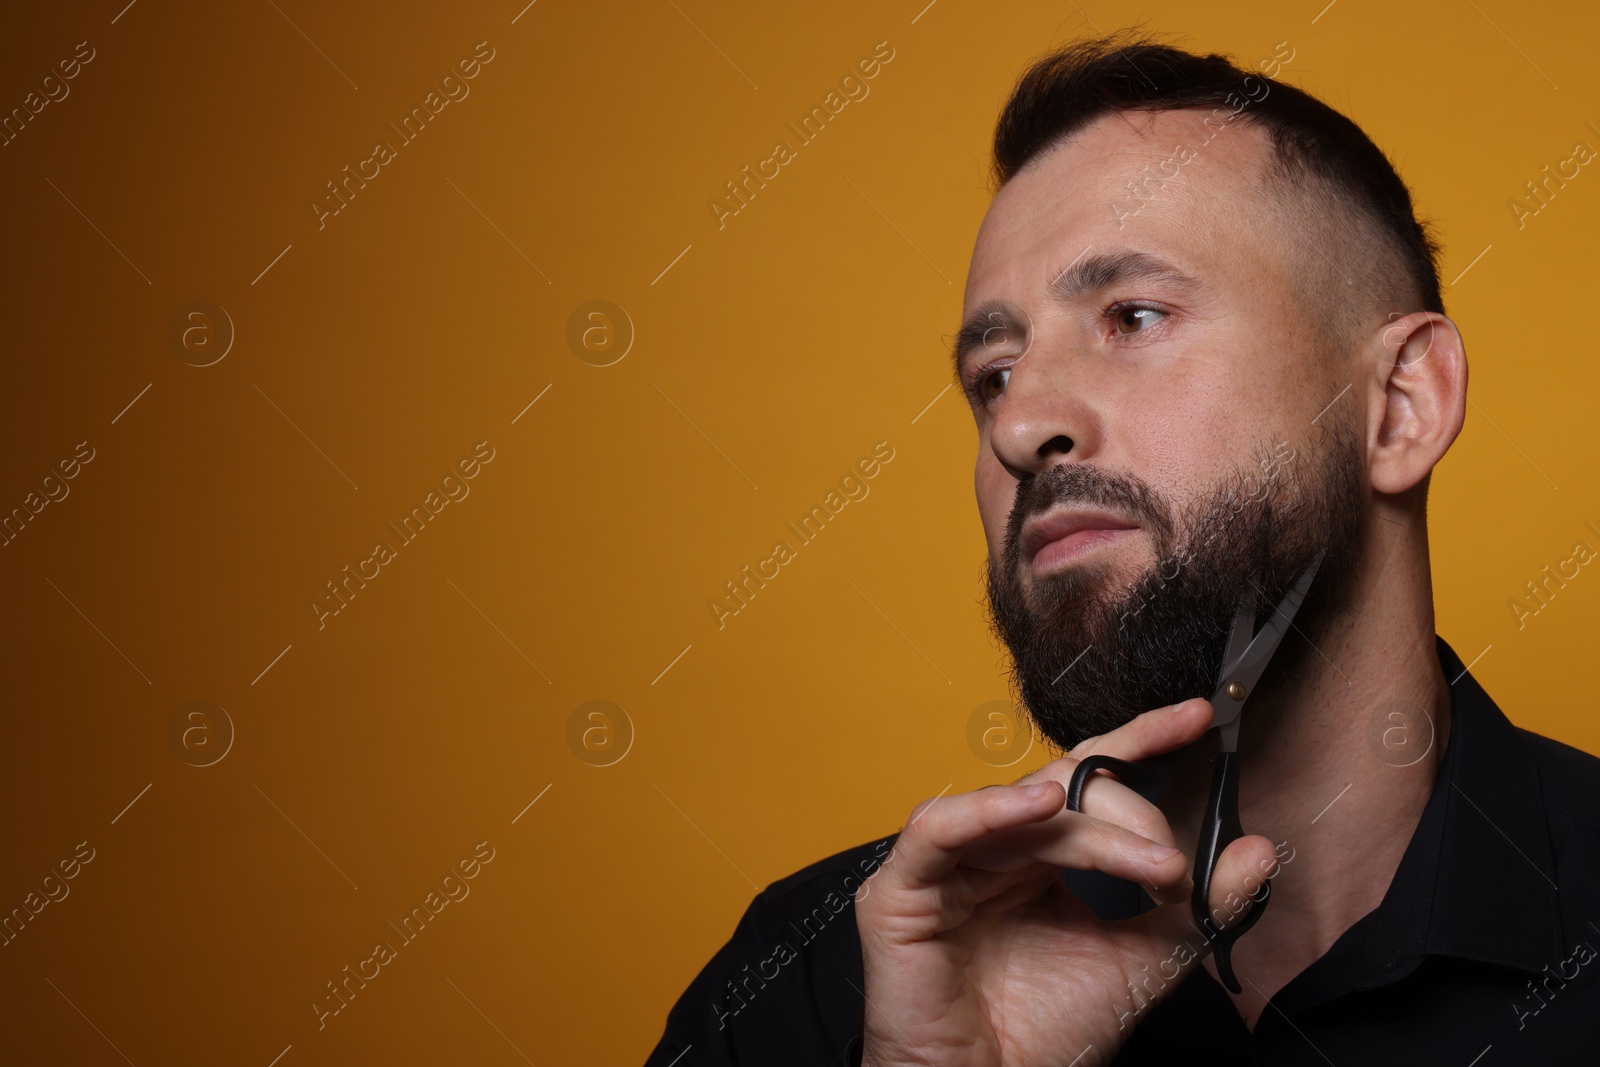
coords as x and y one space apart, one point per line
1062 534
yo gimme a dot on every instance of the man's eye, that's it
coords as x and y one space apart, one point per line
1135 319
993 385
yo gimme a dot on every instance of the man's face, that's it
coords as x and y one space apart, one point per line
1160 427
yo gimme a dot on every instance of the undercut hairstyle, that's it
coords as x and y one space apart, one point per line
1340 192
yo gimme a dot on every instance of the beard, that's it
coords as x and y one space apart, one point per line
1088 657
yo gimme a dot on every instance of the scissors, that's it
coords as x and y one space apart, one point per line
1246 658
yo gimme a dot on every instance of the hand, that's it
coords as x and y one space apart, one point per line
974 953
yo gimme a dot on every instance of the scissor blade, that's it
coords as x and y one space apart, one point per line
1225 707
1253 663
1240 635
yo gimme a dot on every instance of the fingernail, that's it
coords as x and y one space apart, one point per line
1161 853
1034 792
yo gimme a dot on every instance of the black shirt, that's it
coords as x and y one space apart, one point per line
1482 953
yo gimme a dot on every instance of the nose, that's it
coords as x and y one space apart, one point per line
1039 420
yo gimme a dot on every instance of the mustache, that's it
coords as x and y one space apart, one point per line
1126 495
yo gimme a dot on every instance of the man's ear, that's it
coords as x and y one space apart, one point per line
1419 399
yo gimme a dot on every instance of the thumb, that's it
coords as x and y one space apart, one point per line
1167 937
1243 871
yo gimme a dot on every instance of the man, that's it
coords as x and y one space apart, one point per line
1204 342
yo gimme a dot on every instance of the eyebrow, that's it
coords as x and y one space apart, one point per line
1082 277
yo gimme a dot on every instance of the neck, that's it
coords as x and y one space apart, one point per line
1338 763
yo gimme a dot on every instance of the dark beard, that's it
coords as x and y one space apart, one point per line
1088 659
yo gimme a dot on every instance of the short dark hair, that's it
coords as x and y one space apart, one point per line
1313 145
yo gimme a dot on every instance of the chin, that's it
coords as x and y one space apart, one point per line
1074 584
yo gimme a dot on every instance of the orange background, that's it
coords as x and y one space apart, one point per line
371 355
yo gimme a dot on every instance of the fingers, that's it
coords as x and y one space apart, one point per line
944 861
957 852
1154 733
1081 842
1110 801
939 830
918 891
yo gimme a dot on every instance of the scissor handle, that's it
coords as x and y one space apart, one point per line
1218 830
1134 775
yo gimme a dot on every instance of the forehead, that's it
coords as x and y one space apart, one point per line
1163 182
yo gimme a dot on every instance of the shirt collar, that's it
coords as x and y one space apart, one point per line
1477 880
1493 892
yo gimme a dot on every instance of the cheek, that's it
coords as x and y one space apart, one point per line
1182 454
996 491
1184 432
1198 455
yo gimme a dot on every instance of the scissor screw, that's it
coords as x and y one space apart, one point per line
1236 690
